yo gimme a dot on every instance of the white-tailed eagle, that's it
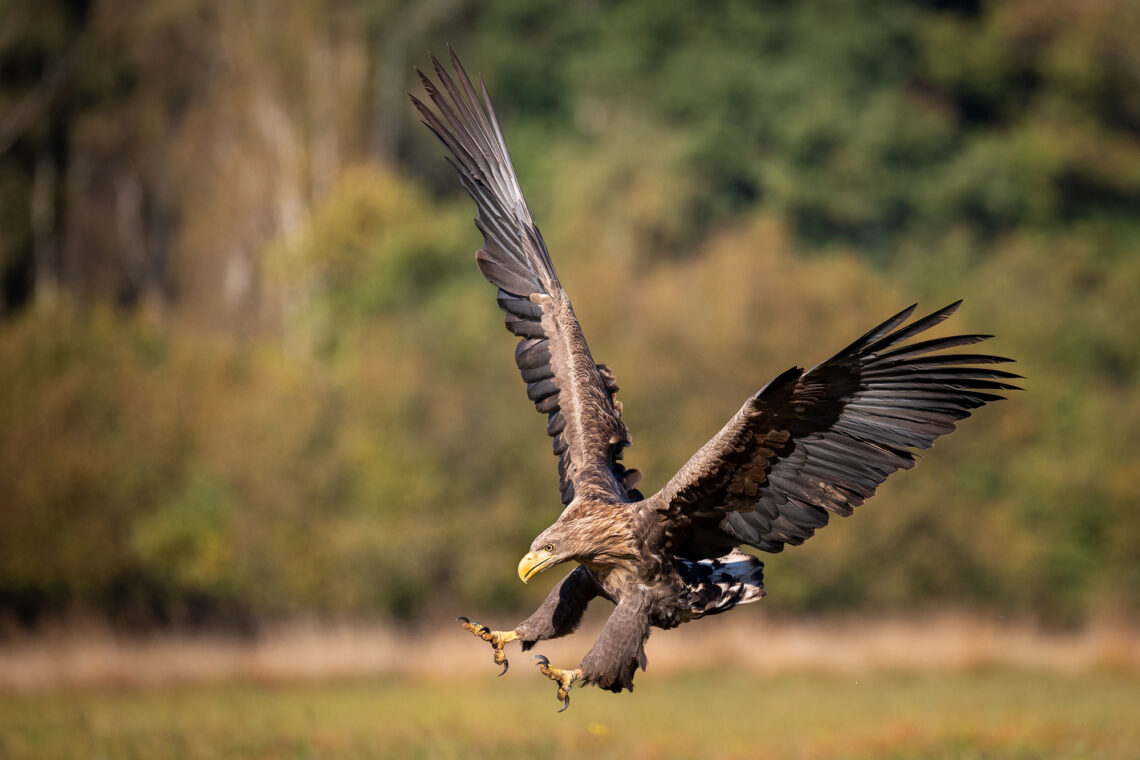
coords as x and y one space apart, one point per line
809 444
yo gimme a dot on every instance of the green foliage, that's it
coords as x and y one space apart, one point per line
185 539
857 120
378 246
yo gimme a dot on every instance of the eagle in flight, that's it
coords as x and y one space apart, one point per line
807 445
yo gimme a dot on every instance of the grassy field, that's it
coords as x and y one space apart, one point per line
987 713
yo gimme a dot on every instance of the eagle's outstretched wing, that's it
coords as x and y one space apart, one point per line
811 443
563 381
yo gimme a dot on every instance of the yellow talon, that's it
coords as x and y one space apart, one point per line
497 639
564 678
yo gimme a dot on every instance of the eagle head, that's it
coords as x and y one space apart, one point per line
552 547
596 536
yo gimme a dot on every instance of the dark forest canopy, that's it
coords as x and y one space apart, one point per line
212 211
858 123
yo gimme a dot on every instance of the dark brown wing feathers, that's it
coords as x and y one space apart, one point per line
806 445
821 441
562 379
514 256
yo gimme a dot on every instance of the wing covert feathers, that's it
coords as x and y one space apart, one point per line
563 381
814 443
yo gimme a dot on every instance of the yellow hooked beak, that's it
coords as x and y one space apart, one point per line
534 563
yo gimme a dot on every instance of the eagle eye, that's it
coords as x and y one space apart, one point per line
548 548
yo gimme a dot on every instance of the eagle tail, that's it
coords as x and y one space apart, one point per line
718 585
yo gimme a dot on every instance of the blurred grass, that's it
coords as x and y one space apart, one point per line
983 714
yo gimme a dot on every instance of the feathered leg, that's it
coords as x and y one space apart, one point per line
615 656
559 615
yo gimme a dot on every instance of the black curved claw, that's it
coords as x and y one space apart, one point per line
566 702
506 664
541 659
484 629
463 619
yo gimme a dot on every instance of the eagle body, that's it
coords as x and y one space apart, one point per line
810 444
624 546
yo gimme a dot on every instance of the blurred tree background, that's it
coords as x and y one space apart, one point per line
248 369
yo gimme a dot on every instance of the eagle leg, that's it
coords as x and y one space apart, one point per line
564 678
497 639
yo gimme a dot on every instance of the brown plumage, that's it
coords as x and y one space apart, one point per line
806 445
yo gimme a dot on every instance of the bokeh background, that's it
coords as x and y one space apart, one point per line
249 373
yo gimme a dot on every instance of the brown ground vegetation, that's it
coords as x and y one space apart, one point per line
93 657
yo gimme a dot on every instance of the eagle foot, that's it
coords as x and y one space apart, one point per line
497 639
564 678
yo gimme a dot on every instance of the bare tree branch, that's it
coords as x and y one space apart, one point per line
32 106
